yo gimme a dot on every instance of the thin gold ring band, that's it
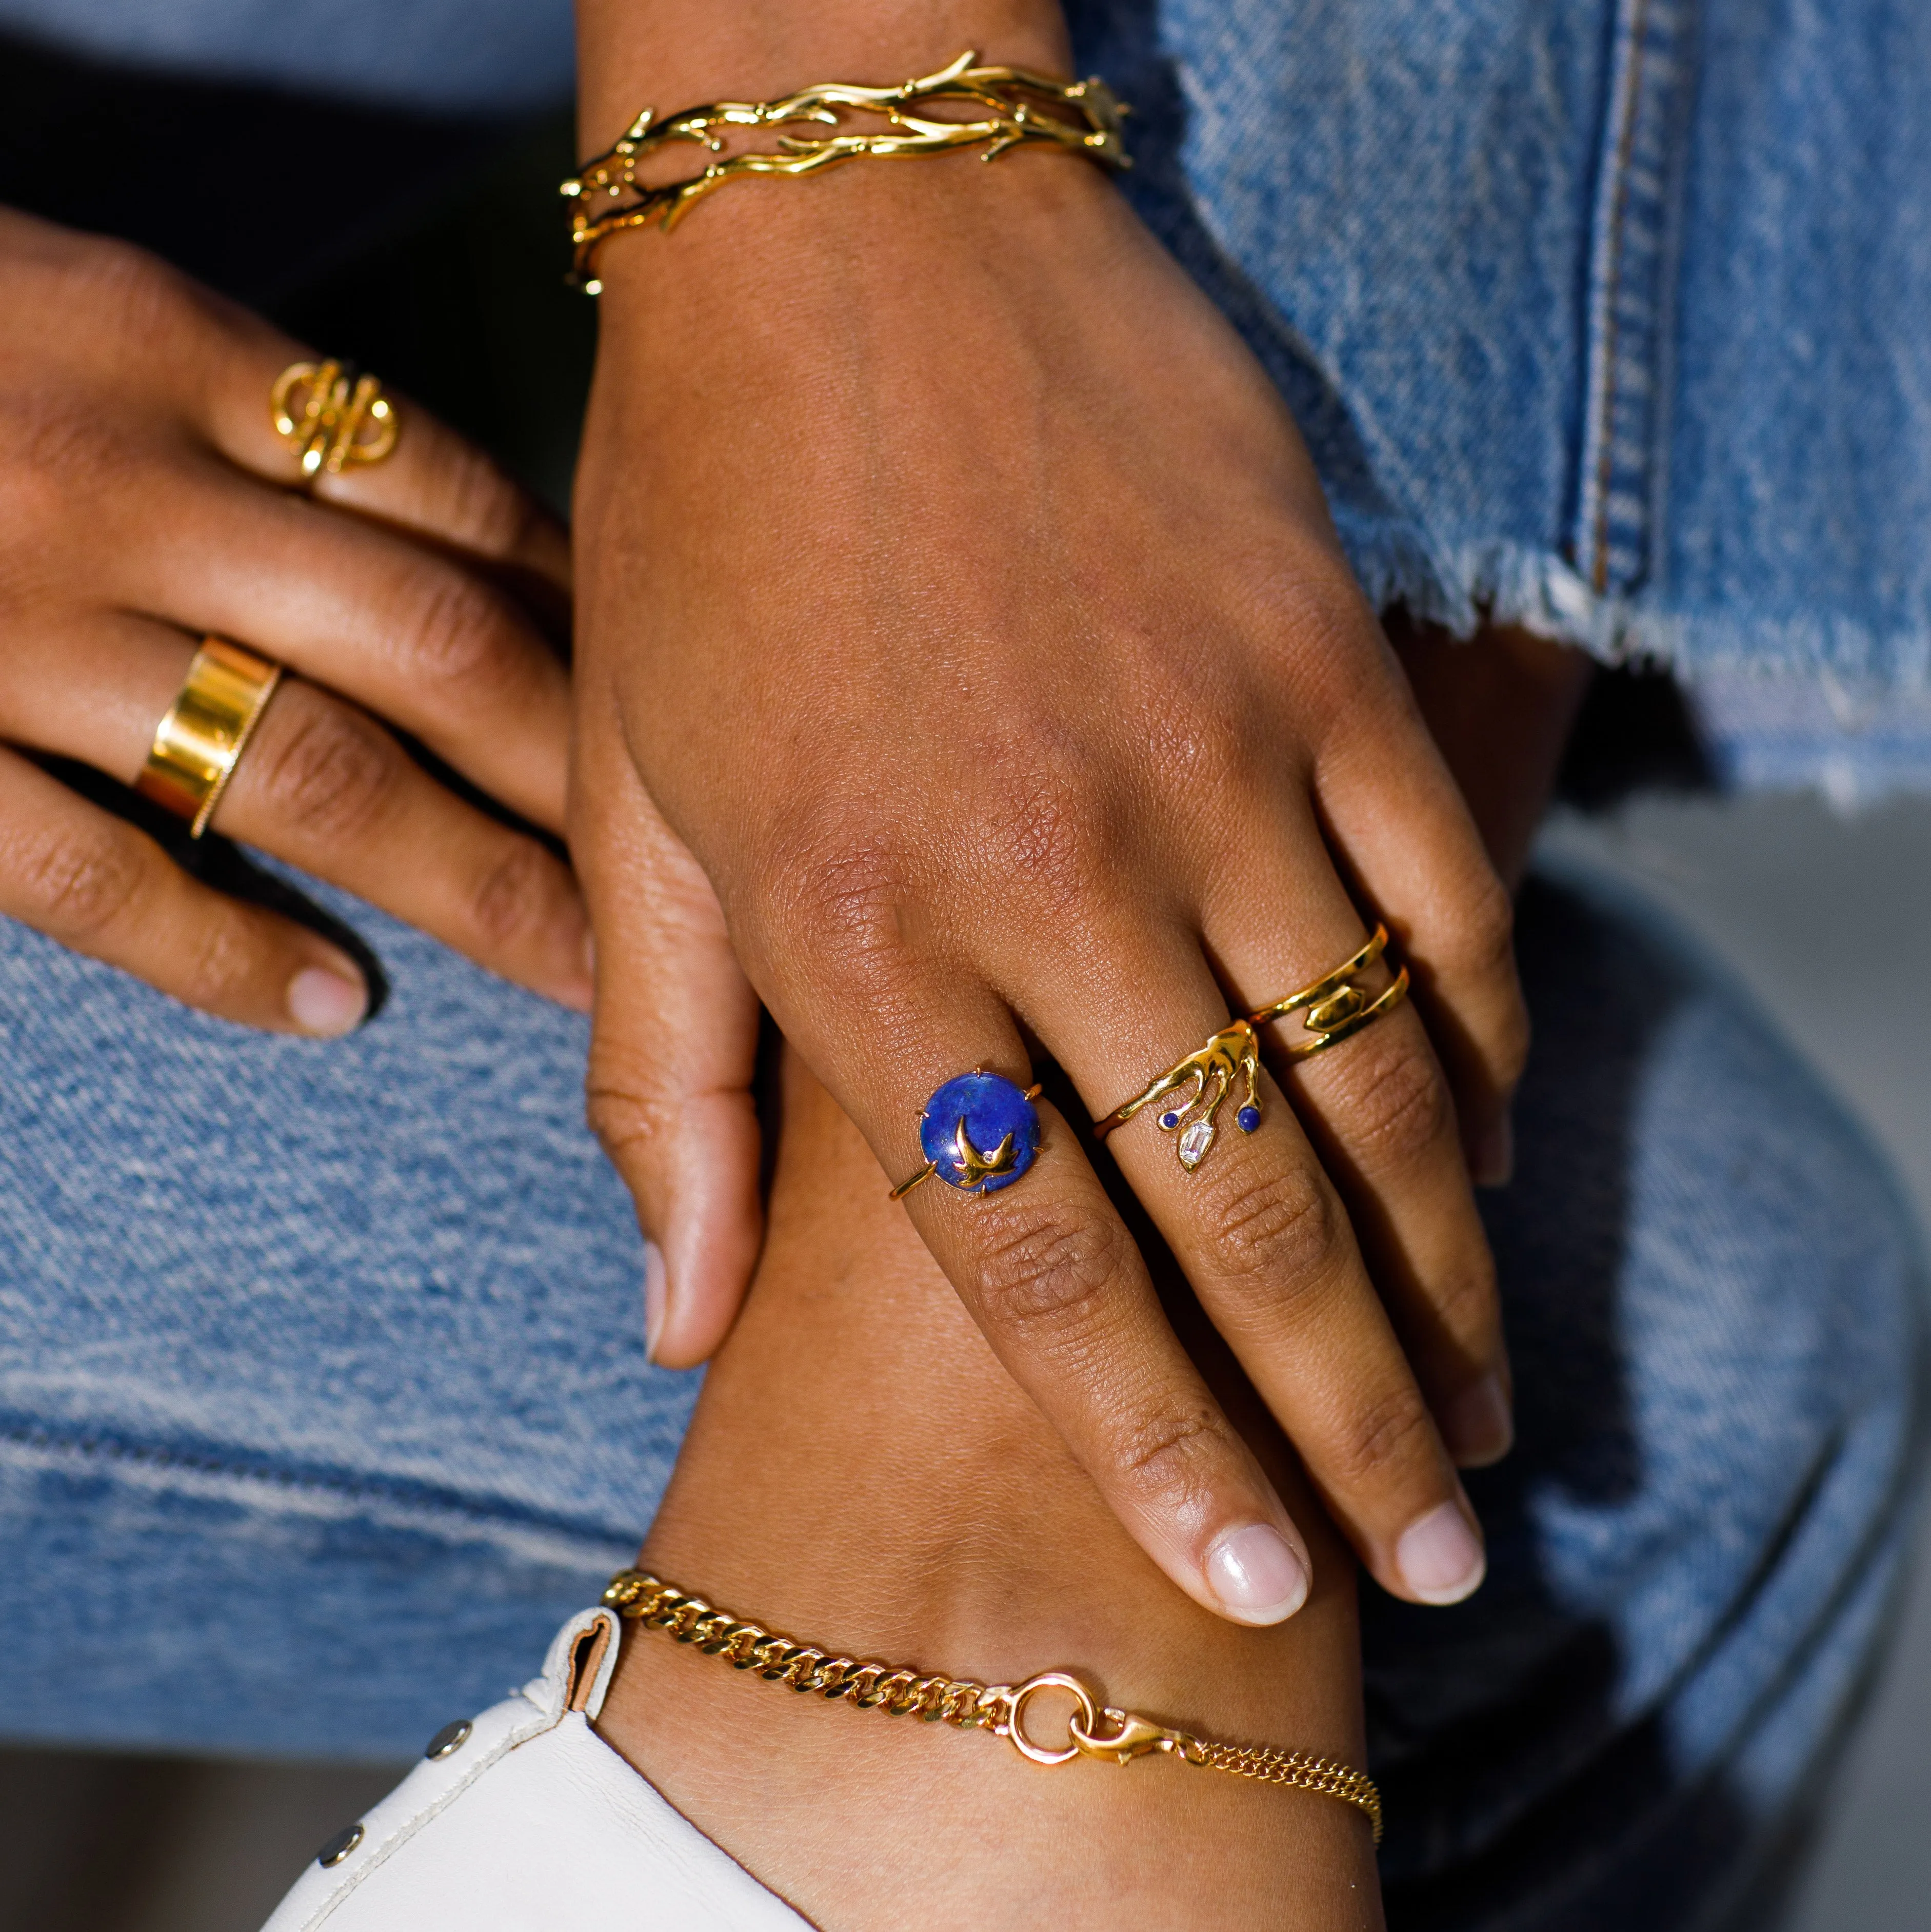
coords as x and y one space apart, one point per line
199 741
1332 1008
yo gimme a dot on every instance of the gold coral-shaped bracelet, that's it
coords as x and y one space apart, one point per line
1095 1730
1010 106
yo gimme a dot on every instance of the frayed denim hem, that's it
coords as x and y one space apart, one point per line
1462 587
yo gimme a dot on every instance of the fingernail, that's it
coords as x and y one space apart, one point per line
1255 1575
653 1297
1476 1425
1492 1162
320 1001
1440 1557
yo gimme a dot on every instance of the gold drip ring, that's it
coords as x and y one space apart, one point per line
1331 1008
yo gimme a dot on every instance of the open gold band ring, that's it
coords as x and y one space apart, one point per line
332 417
199 741
1331 1008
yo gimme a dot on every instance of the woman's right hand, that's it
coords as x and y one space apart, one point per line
145 501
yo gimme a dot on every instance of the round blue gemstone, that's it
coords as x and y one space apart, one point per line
1170 1121
1001 1129
1248 1119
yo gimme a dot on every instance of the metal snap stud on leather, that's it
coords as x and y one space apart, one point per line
339 1847
448 1740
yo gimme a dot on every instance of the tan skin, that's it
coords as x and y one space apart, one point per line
145 500
958 603
905 1501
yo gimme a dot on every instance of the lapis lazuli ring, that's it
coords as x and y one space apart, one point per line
1331 1008
980 1133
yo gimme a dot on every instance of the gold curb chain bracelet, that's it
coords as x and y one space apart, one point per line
1095 1730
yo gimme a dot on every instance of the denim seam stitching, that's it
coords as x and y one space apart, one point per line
356 1488
1599 574
1626 311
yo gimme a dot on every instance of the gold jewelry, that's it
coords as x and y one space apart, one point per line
331 418
1015 107
992 1141
198 744
1333 1007
1000 1708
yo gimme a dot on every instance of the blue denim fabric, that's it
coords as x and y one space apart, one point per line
1607 319
321 1400
1604 316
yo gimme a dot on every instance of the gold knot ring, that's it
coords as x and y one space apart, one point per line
1331 1008
199 741
330 417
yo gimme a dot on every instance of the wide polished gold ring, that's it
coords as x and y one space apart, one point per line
330 417
199 743
1331 1008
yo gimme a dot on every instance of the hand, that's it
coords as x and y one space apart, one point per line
145 500
958 587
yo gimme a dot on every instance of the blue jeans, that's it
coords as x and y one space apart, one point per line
322 1398
1602 316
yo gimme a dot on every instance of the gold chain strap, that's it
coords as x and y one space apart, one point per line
1010 106
1095 1730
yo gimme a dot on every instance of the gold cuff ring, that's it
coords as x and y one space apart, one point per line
332 417
199 743
1331 1008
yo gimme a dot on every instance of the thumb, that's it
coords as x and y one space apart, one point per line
673 1046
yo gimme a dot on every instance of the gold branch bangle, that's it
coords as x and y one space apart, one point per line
1007 107
1095 1730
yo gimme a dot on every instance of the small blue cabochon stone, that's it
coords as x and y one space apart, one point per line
1170 1120
1248 1119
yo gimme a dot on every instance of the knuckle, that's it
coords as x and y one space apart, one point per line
126 287
628 1121
1465 1298
222 961
489 511
81 884
1278 1225
516 895
456 638
1046 1275
1509 1054
1172 1452
331 770
1379 1437
1051 842
1482 927
62 462
1398 1105
844 889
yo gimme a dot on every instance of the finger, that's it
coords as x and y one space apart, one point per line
1265 1241
94 884
1378 1108
673 1049
435 483
1392 813
421 641
321 785
1046 1266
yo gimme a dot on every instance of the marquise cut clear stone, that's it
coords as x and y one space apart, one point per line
1194 1143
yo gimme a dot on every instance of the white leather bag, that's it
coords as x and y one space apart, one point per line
526 1821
